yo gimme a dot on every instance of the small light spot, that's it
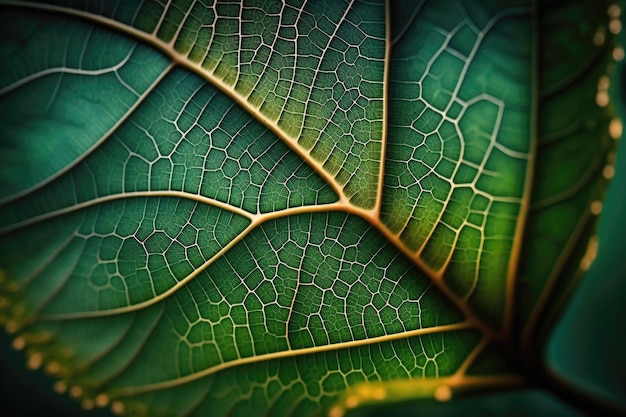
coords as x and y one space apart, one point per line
603 83
19 343
596 207
600 36
443 393
102 400
335 411
11 326
76 391
12 286
34 361
618 53
614 11
608 171
615 26
87 404
53 367
60 387
590 254
602 99
4 302
352 401
117 408
615 128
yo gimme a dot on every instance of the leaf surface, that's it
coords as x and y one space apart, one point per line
252 209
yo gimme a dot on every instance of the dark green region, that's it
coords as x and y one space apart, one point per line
574 147
459 140
86 90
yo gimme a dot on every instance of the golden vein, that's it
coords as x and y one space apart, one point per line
129 391
180 60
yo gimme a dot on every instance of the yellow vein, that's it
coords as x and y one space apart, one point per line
65 70
321 208
181 60
435 277
286 354
153 300
256 221
120 196
416 387
499 381
480 347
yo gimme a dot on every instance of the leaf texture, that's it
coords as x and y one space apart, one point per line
254 208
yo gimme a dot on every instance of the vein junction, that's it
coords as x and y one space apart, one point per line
278 235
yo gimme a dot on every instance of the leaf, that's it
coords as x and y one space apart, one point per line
284 209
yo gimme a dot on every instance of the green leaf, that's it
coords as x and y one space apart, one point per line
288 209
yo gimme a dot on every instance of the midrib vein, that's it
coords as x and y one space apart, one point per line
129 391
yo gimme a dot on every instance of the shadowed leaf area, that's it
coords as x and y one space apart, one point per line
301 208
